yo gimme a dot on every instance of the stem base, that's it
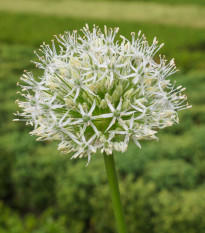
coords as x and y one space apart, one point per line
115 193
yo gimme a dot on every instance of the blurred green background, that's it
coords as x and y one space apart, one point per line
162 185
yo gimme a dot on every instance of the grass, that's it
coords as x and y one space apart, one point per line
170 2
187 46
180 15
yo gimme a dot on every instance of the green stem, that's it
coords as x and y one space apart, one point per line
115 193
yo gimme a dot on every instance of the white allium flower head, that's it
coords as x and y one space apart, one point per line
96 93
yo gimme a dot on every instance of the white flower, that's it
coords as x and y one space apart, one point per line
117 114
86 118
96 93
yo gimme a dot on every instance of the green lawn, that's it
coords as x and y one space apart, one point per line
169 2
180 15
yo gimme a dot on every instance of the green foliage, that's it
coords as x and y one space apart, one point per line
11 222
39 177
6 187
162 185
180 212
171 174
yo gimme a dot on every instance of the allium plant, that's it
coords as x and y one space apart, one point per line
96 93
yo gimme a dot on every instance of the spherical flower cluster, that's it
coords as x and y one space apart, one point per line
98 93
